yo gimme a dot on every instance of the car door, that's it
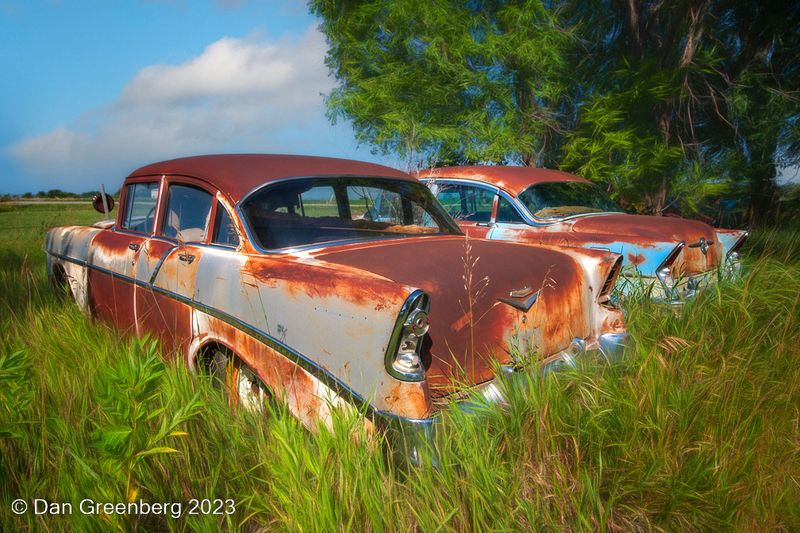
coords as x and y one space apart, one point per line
166 267
115 251
471 206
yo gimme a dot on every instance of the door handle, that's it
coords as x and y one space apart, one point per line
133 246
485 224
188 258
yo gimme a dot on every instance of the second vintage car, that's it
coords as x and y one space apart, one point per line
325 282
665 258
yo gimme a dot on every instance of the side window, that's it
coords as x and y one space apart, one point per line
140 206
464 202
188 210
224 230
377 205
508 213
319 202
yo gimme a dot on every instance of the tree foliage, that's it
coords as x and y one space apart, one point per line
662 102
450 81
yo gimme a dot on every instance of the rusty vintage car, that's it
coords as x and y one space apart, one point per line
665 258
329 283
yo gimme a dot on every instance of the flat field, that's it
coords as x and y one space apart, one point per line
696 428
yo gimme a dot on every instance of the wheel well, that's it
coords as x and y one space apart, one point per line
60 281
203 354
204 362
59 275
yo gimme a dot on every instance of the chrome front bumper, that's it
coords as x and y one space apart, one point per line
684 289
409 436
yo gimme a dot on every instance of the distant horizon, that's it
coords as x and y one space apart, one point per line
786 176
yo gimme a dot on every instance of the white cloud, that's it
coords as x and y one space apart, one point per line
228 67
237 95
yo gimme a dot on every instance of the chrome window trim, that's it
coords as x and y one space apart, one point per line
521 210
213 227
256 189
313 246
511 201
156 213
125 231
478 185
556 220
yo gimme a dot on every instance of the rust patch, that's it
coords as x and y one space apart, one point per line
409 400
318 280
636 259
462 346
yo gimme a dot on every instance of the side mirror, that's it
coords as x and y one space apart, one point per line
98 203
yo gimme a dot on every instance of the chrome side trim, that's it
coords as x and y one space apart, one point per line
160 263
343 390
523 303
313 246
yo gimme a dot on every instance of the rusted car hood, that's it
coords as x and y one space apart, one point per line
641 233
456 349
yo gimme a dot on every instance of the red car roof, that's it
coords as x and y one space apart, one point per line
238 174
513 180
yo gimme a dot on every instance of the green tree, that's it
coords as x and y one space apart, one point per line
754 104
662 102
450 81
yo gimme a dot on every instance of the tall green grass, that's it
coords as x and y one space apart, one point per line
696 428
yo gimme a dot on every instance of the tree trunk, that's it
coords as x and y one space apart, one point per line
763 192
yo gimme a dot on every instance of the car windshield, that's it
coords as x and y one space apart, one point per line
317 210
566 198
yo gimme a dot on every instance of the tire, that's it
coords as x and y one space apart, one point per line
242 386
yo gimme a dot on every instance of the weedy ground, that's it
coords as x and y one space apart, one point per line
696 428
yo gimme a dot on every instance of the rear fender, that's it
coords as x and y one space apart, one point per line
332 323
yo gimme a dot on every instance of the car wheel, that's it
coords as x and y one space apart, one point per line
242 386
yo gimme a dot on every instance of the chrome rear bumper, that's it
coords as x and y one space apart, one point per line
409 436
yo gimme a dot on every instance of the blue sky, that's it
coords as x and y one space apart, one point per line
93 89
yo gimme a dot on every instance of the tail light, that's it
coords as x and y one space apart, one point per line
664 271
733 253
732 263
604 298
403 359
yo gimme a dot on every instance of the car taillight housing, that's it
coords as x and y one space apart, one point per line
664 270
604 298
403 356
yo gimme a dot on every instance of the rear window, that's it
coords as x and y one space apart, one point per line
318 210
